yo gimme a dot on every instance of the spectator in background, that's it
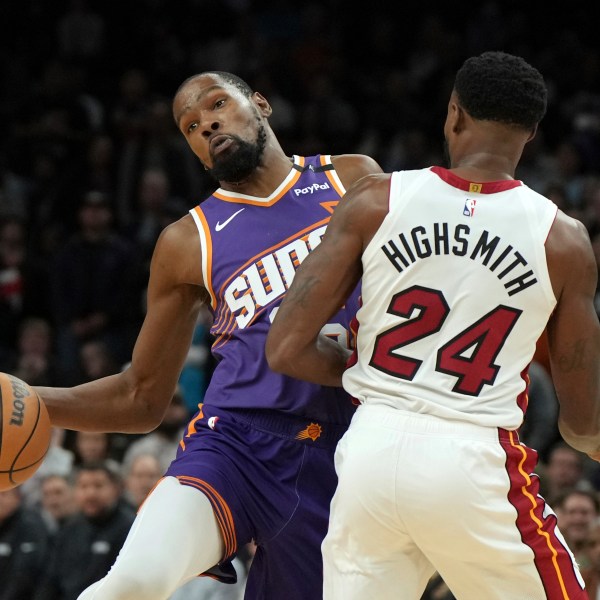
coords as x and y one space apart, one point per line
576 510
128 115
57 501
155 209
23 546
591 574
91 446
35 362
97 170
17 255
97 360
141 475
563 471
58 461
86 546
94 281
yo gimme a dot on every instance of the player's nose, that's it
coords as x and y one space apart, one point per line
209 128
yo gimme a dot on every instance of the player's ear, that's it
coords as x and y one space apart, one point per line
263 105
454 118
532 134
457 117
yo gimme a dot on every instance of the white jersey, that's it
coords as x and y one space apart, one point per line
456 293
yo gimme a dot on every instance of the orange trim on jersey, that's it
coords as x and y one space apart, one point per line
330 206
222 195
208 258
329 174
191 428
231 321
539 525
220 508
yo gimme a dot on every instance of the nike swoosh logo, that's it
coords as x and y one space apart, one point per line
220 225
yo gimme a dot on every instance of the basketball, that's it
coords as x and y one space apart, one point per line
25 430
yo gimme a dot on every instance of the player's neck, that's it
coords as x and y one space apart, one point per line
265 179
484 166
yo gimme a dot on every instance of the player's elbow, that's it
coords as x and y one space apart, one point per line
279 353
146 405
584 437
150 418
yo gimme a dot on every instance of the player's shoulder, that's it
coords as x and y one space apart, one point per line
177 233
366 202
351 167
567 234
178 250
569 252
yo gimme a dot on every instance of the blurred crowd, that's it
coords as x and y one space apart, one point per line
92 168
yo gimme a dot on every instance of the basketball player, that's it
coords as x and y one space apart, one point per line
462 269
256 461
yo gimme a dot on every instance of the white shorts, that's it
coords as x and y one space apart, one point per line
419 494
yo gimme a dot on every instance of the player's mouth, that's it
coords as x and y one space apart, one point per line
219 144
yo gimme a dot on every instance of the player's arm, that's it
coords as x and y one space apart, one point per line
574 334
351 167
136 399
321 286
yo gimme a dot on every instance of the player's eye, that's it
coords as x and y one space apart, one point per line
192 126
219 103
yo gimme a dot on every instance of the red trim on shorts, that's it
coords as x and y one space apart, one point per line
554 563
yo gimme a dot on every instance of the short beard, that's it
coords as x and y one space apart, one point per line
236 166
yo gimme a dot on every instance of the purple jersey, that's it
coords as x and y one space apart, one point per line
251 248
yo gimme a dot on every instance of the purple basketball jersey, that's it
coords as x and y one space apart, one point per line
251 248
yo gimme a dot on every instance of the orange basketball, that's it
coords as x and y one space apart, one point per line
25 430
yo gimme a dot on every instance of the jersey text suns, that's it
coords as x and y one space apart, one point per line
268 278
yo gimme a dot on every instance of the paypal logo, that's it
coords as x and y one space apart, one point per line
311 189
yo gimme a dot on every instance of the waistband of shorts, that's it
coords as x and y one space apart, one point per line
292 427
426 424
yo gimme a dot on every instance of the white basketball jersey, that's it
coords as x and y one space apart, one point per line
455 294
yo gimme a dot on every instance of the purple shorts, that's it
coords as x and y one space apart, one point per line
270 478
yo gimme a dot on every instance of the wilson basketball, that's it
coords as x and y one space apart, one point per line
25 430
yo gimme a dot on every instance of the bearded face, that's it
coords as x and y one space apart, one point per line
241 160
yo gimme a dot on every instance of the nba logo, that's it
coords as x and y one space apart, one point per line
469 209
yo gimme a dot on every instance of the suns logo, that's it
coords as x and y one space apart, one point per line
268 278
312 432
